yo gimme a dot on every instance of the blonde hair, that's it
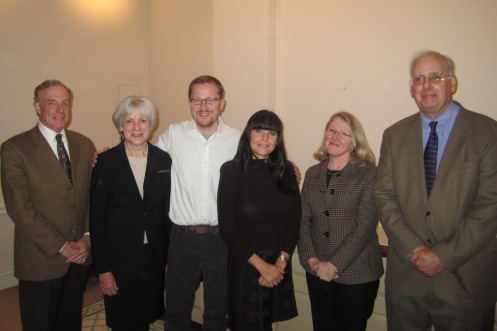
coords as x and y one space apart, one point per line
362 153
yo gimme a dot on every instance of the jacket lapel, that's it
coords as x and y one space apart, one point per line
150 172
457 138
323 176
75 155
414 141
44 152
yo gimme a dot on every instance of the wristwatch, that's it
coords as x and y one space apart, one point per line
283 258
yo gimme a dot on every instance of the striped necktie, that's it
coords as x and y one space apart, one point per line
430 157
63 156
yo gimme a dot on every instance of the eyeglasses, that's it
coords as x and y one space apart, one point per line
433 79
341 134
208 101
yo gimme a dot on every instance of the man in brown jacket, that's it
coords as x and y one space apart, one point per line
436 195
45 182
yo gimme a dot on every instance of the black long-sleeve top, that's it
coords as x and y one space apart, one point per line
254 214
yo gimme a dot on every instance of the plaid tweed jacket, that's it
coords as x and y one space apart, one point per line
339 222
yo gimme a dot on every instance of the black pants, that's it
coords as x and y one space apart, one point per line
340 307
140 300
55 304
192 256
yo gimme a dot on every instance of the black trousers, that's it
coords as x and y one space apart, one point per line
53 305
340 307
140 300
193 256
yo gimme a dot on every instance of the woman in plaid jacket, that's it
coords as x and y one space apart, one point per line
338 245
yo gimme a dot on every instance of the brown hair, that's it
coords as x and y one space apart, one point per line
49 83
206 79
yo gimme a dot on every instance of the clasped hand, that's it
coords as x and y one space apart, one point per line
77 252
425 260
271 275
325 270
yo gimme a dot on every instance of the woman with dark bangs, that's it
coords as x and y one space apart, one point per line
259 218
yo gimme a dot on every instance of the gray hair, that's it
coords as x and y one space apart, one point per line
449 63
134 103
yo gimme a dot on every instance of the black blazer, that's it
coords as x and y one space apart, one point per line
119 216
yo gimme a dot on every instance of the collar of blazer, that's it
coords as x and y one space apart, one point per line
458 136
45 153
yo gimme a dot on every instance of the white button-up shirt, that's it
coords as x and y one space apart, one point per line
195 170
50 137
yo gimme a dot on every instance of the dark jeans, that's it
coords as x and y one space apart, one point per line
340 307
55 304
192 256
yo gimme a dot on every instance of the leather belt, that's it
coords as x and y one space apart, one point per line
203 229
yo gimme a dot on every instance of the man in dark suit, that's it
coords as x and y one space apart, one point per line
45 183
436 194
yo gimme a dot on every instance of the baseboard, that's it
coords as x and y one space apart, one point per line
7 280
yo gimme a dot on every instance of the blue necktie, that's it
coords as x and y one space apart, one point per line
63 156
430 157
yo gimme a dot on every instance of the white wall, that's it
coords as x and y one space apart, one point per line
305 60
99 53
181 48
354 56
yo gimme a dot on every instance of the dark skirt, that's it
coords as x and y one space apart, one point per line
140 299
255 307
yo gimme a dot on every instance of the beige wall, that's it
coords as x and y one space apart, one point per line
181 48
354 56
305 60
98 54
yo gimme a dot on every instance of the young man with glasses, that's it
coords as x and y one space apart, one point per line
198 148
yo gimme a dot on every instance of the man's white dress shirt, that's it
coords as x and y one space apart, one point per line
196 170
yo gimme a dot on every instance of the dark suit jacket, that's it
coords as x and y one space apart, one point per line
458 221
339 222
46 208
119 216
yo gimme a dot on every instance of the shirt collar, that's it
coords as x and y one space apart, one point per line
50 134
442 119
